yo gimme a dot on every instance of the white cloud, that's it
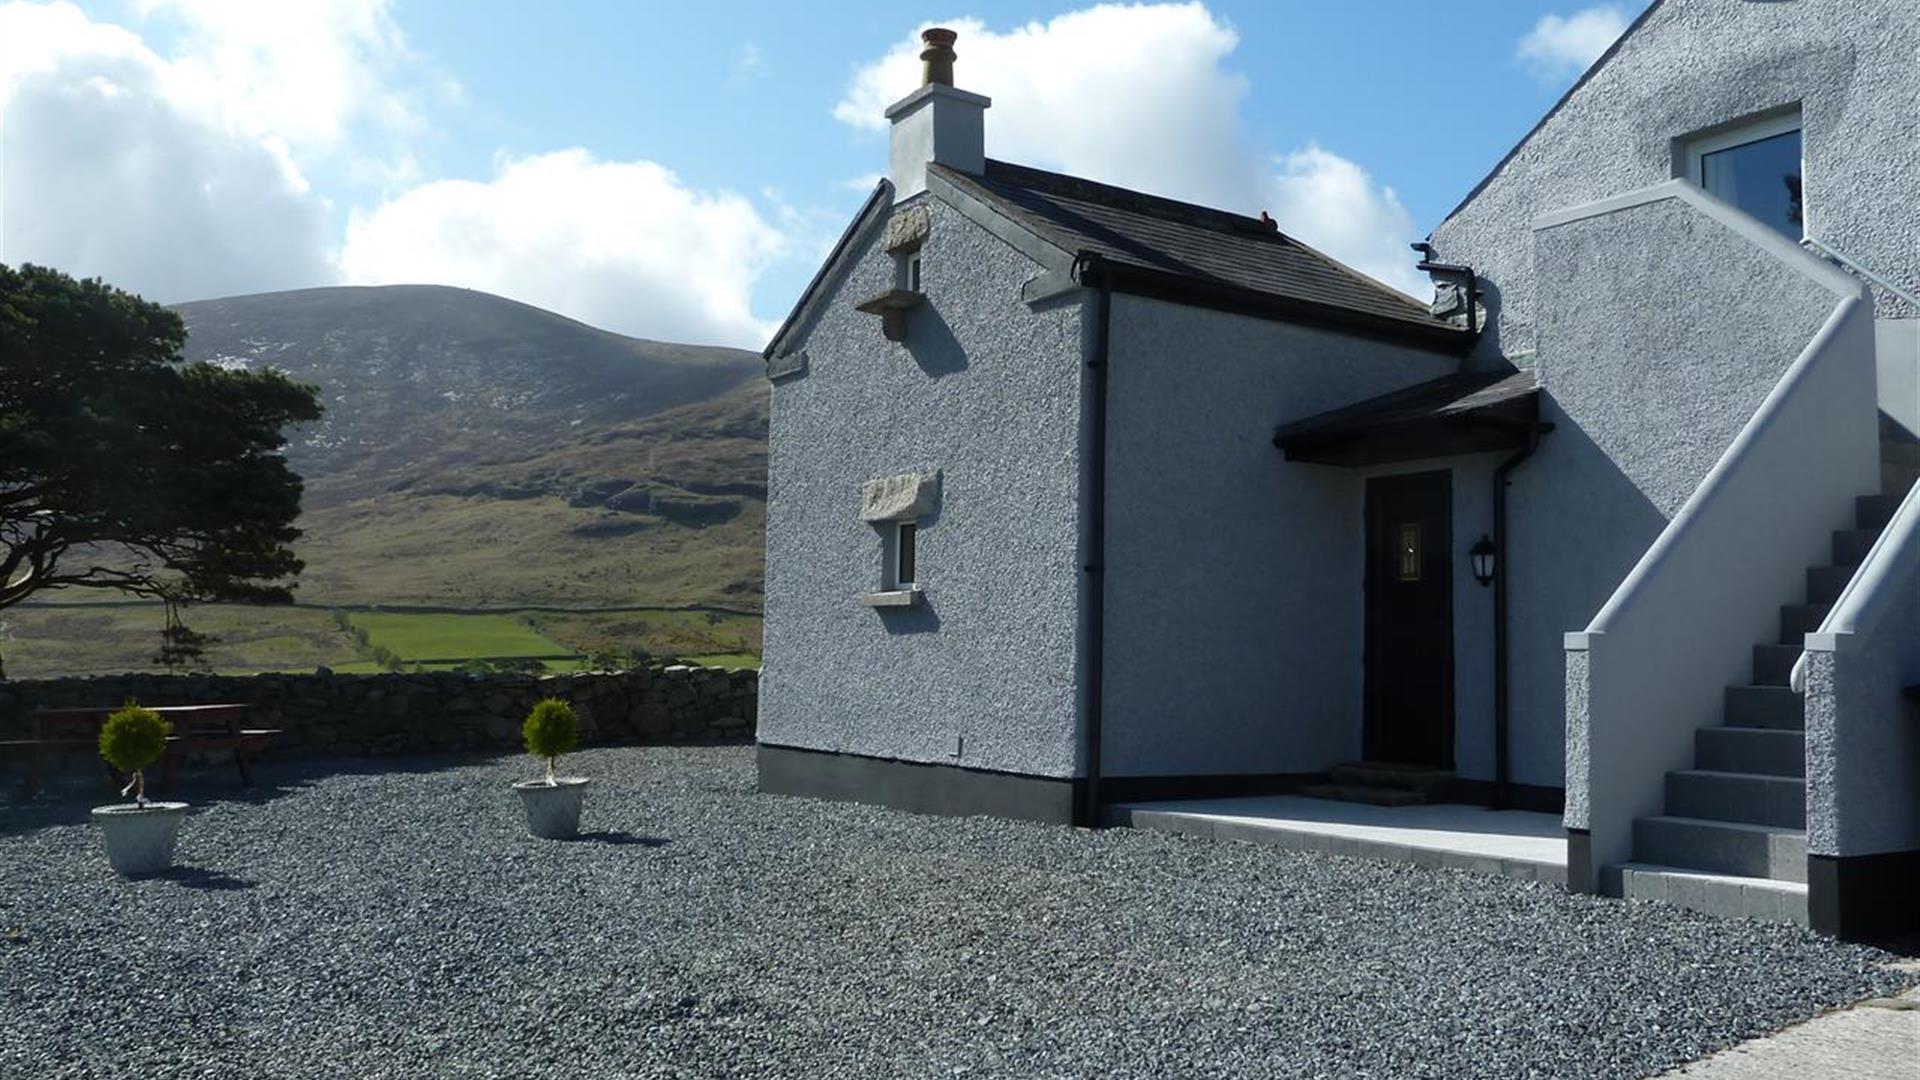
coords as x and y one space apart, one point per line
307 71
749 64
117 164
1136 96
1559 47
621 245
1330 203
180 176
1142 96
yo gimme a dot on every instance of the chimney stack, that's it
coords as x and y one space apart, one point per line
936 123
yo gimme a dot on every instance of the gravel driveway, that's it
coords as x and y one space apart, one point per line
396 921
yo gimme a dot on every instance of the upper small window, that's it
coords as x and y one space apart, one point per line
905 573
906 271
1755 167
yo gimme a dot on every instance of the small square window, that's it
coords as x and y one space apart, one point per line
1757 168
905 573
906 271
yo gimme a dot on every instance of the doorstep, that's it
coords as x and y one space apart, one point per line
1512 843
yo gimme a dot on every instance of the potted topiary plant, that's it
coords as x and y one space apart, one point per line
140 835
552 803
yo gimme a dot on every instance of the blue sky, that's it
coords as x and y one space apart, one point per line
676 171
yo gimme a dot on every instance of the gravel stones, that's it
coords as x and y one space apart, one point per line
394 919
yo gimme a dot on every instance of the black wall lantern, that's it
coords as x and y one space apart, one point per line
1481 556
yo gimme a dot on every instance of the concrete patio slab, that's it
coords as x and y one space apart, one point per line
1878 1039
1513 843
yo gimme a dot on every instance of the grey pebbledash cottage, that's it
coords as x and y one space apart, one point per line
1079 495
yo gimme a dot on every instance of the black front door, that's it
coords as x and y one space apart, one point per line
1409 612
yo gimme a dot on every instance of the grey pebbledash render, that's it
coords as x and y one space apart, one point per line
1078 495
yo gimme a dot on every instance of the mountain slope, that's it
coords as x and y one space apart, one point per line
670 509
480 452
419 378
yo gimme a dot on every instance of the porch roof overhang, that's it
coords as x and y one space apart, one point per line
1465 413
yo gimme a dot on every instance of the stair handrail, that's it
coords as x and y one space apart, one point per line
1855 266
1894 556
1849 615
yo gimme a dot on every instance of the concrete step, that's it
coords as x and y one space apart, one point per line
1362 793
1850 546
1765 706
1900 451
1896 477
1421 778
1722 847
1751 798
1825 582
1874 511
1799 620
1768 751
1724 895
1773 664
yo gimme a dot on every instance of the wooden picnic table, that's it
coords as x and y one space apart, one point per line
195 727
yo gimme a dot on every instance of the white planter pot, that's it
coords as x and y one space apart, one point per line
553 810
140 839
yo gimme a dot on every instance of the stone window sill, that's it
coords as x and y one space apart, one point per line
892 598
892 307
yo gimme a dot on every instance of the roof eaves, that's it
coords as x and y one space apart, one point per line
881 198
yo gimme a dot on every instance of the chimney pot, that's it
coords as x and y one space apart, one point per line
938 56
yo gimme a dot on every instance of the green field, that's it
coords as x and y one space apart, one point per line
100 639
730 661
452 638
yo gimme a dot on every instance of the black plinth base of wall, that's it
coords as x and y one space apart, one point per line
1119 789
1580 862
1870 898
916 787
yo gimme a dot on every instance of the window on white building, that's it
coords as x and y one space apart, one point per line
1756 167
906 271
904 571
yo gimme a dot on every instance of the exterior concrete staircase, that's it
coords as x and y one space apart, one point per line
1733 839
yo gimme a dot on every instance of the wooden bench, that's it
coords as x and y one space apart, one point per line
195 727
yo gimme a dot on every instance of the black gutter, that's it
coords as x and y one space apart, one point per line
1090 270
1502 721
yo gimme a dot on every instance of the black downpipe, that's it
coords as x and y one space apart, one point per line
1502 724
1086 270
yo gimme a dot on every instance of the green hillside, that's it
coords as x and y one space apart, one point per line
477 455
666 511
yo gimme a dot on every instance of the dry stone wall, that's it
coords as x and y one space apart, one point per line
325 715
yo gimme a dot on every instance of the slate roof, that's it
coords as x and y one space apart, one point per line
1448 397
1465 413
1186 241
